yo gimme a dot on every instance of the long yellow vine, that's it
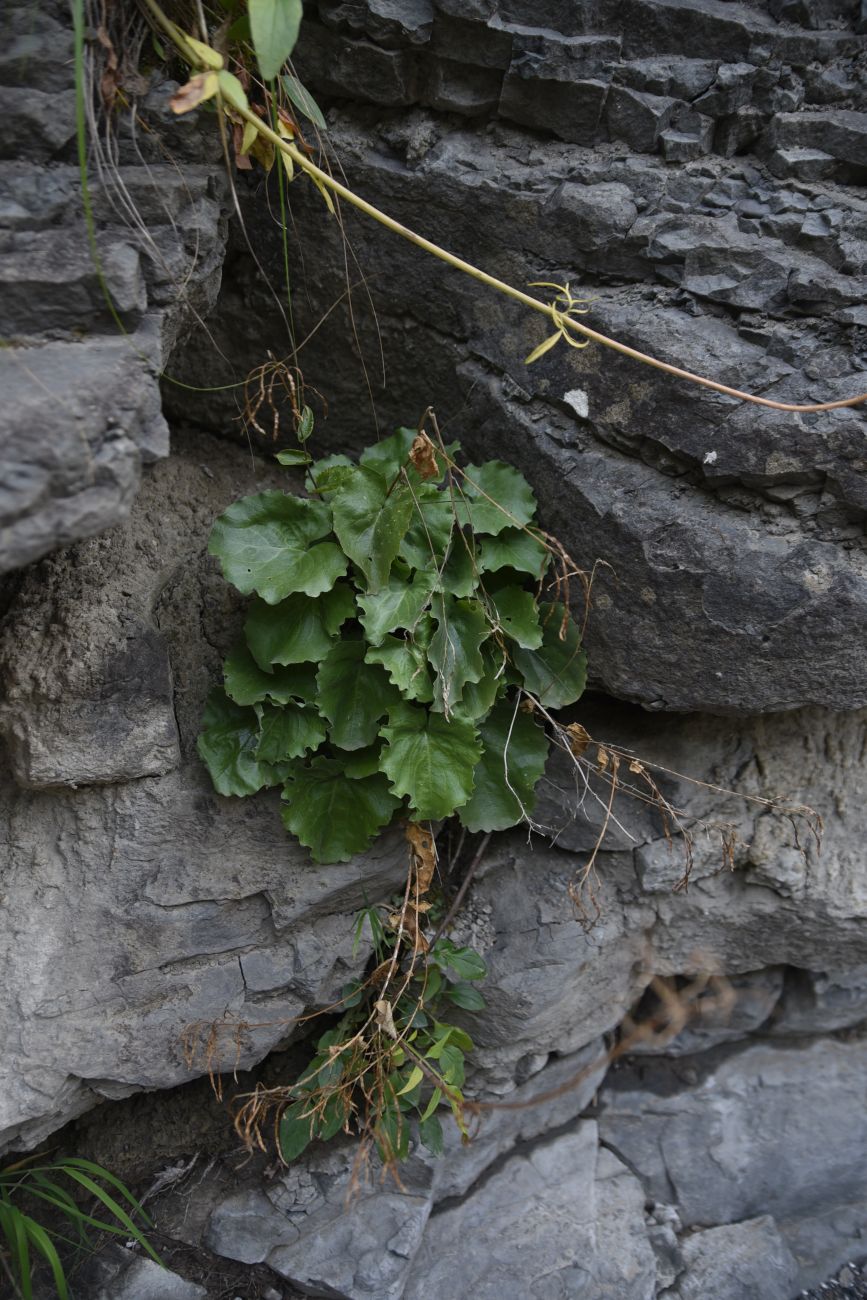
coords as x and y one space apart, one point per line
199 54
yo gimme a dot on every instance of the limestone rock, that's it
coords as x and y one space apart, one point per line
563 1219
140 908
768 1127
741 1261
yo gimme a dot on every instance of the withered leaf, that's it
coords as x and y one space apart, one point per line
195 92
422 453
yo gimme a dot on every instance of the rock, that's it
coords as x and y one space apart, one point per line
571 109
641 480
563 1219
316 1233
638 119
770 1127
819 1002
311 1227
117 1274
741 1261
171 892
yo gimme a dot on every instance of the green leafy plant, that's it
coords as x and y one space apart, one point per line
26 1240
394 1057
408 633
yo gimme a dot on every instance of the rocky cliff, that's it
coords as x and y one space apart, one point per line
695 168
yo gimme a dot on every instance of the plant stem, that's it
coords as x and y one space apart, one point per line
527 300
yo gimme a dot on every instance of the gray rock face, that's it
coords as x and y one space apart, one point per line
742 525
117 1274
775 1129
81 410
693 167
741 1261
141 907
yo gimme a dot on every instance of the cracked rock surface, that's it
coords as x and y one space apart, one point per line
697 168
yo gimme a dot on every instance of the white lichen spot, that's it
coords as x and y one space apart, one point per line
578 400
709 458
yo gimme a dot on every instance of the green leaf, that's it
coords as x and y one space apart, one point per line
452 1065
227 747
387 456
468 965
246 683
430 1132
231 89
454 651
293 456
363 762
518 615
296 1130
465 996
477 698
274 27
301 629
289 732
398 604
460 574
407 667
353 695
429 759
303 101
556 673
513 548
305 423
512 762
435 1100
333 815
430 530
415 1077
370 522
493 497
333 1117
264 544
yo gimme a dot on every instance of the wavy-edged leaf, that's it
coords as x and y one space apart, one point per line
363 762
512 762
406 665
556 673
513 548
302 99
388 455
455 649
429 759
493 497
246 683
301 629
333 815
459 576
518 615
227 747
353 695
477 698
398 604
430 529
370 522
265 543
274 27
287 732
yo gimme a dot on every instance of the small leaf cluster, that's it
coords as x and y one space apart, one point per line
397 637
378 1071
